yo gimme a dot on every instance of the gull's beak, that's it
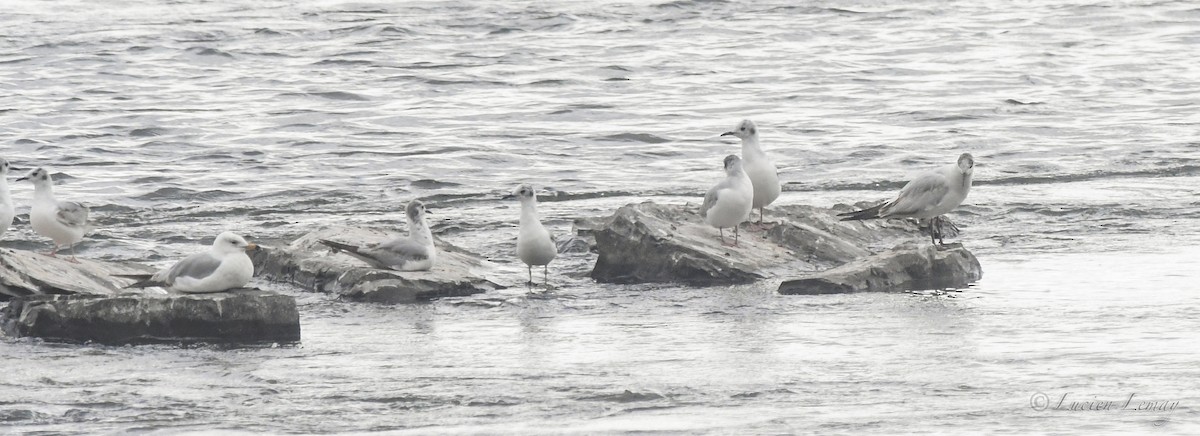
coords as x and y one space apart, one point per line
428 211
24 177
251 247
728 134
508 197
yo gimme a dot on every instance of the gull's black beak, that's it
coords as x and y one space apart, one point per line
428 210
728 134
25 177
508 197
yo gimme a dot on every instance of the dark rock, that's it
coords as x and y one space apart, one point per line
909 266
312 266
649 242
27 273
237 317
585 229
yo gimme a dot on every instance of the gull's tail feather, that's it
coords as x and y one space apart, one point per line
143 280
352 250
865 214
338 246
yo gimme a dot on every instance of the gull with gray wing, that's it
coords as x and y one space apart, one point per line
64 222
761 170
535 244
927 196
7 210
222 267
414 252
729 202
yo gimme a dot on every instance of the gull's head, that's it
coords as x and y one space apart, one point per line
966 163
745 130
416 212
229 242
523 192
732 163
39 177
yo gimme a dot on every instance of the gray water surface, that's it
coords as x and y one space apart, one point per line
175 121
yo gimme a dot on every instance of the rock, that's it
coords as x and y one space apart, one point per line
910 266
585 229
312 266
27 273
238 317
649 242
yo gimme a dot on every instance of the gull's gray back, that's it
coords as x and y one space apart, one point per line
920 195
710 199
397 252
196 266
72 214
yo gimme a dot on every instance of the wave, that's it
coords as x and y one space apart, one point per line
634 137
889 185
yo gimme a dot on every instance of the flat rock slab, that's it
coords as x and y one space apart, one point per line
910 266
649 242
27 273
237 317
313 266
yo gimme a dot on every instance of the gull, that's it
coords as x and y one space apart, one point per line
64 222
729 202
414 252
758 166
535 245
223 267
928 196
7 211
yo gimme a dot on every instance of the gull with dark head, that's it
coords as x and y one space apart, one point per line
414 252
758 166
222 267
927 196
535 245
7 210
64 222
729 202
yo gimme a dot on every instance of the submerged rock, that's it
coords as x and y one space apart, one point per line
649 242
27 273
312 266
910 266
240 317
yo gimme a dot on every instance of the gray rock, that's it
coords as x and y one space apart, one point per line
240 317
312 266
27 273
909 266
585 229
649 242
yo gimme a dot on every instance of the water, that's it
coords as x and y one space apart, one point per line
176 121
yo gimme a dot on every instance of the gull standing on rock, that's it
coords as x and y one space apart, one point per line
928 196
64 222
758 166
414 252
7 211
729 202
223 267
535 245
